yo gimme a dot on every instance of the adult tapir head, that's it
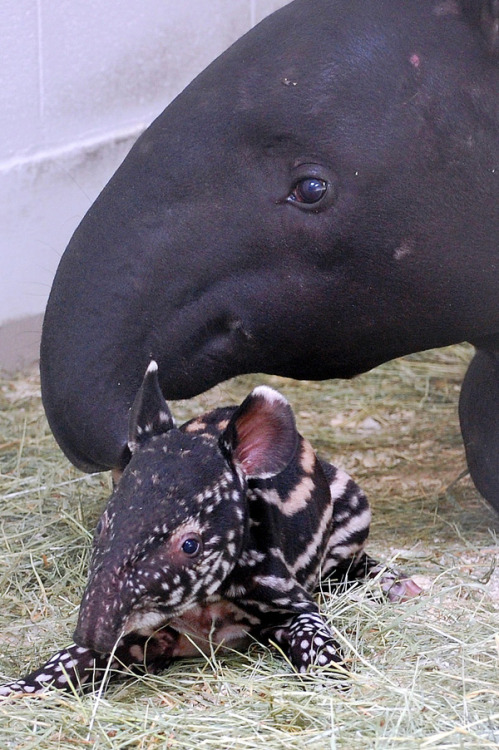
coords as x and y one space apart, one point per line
321 199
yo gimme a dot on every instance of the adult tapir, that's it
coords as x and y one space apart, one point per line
321 199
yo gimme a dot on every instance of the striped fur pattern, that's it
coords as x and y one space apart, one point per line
217 534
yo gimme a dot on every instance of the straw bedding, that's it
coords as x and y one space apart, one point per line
424 673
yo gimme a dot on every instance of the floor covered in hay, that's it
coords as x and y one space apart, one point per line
424 673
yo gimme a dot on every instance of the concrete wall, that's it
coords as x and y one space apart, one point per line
79 80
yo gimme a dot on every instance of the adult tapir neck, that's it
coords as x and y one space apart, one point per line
321 199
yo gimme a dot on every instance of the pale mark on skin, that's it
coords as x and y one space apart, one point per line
406 247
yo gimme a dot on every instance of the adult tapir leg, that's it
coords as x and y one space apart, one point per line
479 416
479 400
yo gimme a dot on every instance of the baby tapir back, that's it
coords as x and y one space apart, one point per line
218 532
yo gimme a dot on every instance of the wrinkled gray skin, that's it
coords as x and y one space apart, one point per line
202 253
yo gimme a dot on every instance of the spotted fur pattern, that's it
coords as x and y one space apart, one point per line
217 534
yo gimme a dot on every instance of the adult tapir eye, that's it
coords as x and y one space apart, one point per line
309 190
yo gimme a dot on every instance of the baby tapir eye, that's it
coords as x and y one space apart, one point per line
191 545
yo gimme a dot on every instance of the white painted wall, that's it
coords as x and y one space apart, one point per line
79 80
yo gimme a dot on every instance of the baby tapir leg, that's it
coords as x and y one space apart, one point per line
345 564
69 669
345 560
80 669
395 584
308 642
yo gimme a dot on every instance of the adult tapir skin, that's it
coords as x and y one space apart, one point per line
321 199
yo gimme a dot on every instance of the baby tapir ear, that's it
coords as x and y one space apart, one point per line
150 414
261 436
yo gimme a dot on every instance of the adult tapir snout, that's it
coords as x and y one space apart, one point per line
321 199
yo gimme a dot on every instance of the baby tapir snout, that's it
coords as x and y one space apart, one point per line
102 609
176 524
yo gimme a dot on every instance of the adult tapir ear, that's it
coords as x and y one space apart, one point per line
150 414
484 14
261 436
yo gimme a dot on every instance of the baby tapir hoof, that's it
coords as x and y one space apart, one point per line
398 588
218 533
309 644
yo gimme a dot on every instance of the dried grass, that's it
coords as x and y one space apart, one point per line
425 673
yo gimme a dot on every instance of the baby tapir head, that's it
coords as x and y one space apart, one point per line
174 527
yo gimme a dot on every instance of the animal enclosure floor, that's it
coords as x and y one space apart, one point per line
424 673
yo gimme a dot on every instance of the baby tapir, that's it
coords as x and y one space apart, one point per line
217 533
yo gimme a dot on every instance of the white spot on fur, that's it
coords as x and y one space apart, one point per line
316 541
338 486
284 601
145 622
276 583
447 8
137 652
295 502
356 523
403 250
269 394
307 458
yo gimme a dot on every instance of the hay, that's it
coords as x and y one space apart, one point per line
425 673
